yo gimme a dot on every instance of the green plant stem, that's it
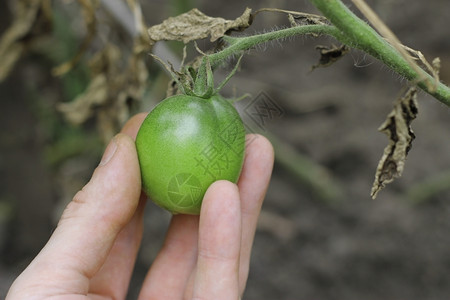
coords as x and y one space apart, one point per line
358 34
433 186
350 30
316 177
239 44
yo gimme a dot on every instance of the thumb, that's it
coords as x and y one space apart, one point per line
91 222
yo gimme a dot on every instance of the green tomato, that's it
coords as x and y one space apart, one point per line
184 145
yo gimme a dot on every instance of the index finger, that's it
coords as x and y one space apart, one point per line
253 183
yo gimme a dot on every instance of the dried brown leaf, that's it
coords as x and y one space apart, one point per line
432 68
329 55
12 44
88 9
195 25
106 61
103 69
113 85
436 65
297 18
302 19
9 57
82 107
398 128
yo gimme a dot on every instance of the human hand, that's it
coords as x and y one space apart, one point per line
92 252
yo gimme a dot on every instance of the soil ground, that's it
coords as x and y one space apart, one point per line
304 248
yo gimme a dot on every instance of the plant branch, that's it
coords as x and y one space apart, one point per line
429 188
358 34
316 177
239 44
350 30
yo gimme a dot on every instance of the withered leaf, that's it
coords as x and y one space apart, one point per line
302 19
9 57
398 128
88 9
329 55
81 108
11 43
112 87
195 25
297 18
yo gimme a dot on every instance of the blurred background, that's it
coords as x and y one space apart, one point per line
320 236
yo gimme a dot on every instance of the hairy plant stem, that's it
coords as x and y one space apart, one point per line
239 44
350 30
359 34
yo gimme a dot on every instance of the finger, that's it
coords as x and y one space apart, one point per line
120 262
132 126
253 183
89 225
219 244
173 265
118 267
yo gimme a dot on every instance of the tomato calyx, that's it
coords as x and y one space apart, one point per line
198 83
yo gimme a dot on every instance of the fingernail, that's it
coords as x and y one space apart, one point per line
109 152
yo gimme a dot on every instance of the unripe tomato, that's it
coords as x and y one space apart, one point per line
184 145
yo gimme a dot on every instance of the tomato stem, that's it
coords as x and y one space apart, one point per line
238 44
222 84
350 30
358 34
